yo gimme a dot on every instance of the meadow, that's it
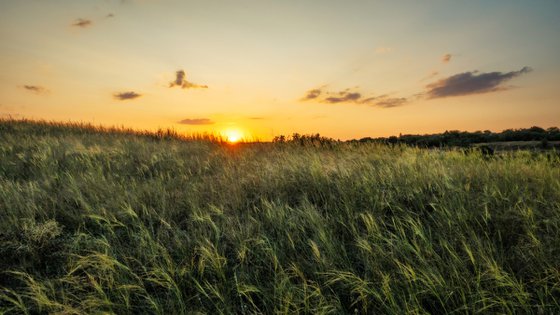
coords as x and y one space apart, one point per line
97 220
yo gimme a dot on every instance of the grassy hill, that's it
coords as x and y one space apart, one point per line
99 220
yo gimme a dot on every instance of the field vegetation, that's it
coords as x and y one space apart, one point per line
97 220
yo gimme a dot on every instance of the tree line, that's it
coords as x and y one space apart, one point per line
447 138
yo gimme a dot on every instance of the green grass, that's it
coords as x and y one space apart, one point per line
110 221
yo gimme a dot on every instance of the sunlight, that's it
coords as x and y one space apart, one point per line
233 135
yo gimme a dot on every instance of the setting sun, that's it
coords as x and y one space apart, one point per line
233 135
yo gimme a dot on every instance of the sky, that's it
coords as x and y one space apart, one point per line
261 68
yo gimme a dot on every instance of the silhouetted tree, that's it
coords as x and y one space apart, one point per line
458 138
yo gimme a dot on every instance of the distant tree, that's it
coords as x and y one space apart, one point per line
279 139
465 139
393 140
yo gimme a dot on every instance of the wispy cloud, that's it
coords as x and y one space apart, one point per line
83 23
467 83
344 97
391 102
446 58
39 90
196 121
181 81
352 97
110 15
123 96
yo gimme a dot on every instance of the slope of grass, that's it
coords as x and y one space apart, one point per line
96 221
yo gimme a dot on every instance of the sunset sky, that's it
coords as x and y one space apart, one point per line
344 69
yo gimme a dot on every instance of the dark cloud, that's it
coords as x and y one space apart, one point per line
446 58
344 97
181 80
312 94
36 89
82 23
472 83
196 121
126 95
353 97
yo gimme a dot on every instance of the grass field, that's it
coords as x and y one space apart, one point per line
109 221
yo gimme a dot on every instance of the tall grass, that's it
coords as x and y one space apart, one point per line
94 221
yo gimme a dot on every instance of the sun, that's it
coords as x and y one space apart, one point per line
233 135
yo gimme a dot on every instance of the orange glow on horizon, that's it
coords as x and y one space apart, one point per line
233 135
